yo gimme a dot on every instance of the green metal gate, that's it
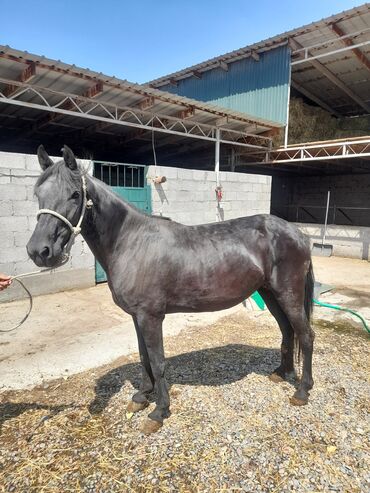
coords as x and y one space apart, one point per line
128 181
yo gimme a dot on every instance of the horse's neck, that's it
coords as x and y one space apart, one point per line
106 220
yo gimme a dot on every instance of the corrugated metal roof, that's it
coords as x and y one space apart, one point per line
344 65
69 79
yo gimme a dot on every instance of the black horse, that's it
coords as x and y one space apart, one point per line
156 267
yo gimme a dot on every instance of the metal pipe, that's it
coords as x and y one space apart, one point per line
331 41
322 55
286 132
217 157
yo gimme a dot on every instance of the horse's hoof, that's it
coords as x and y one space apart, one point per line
298 402
151 426
135 407
276 378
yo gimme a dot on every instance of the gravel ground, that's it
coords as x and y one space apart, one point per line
231 428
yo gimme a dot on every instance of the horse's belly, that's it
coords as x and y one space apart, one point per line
217 294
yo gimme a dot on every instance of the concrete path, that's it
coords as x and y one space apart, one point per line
73 331
70 332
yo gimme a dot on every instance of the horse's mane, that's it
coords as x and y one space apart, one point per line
165 218
59 169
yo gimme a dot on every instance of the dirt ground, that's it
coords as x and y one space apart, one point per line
231 428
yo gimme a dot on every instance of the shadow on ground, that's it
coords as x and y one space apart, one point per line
215 366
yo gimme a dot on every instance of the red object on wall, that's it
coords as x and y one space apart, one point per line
218 191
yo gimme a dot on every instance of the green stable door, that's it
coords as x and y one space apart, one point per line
138 194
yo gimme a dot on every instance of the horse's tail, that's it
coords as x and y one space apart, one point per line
308 305
308 291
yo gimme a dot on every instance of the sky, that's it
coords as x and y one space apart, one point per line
141 40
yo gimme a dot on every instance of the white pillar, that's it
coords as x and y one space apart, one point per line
217 157
288 103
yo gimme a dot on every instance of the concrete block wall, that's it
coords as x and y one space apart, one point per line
18 207
347 241
346 191
188 196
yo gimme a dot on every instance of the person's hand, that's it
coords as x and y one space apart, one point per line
5 281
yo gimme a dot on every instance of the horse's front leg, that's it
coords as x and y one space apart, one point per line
140 399
150 327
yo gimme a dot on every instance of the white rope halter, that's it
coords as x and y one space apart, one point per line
75 230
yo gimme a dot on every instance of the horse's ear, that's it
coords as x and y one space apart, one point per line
44 159
69 157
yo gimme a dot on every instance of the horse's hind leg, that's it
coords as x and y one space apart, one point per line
287 346
292 303
140 399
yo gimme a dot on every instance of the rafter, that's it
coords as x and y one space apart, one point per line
146 103
223 65
332 77
26 75
348 42
197 74
313 98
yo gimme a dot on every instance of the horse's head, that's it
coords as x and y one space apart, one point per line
59 190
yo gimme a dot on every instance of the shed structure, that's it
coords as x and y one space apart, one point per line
327 65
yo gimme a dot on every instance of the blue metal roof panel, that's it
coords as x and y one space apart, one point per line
258 88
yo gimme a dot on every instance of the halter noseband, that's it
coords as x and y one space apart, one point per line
75 230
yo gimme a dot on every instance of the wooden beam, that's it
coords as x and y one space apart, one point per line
255 56
223 65
348 42
197 74
174 82
146 103
94 91
184 114
334 79
314 98
220 122
25 76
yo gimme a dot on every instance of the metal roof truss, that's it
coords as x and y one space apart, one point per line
84 107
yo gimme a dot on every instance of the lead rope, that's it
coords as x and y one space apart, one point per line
75 231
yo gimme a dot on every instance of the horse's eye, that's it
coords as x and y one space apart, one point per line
75 195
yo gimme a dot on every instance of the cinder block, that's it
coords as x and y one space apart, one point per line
25 266
8 255
7 240
199 175
83 261
13 223
4 175
13 192
7 268
6 209
184 174
23 177
211 176
169 172
31 193
25 208
21 239
32 163
12 160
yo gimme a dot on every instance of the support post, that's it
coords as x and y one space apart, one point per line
288 105
218 190
217 157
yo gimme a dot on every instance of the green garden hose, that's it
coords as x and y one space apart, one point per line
336 307
257 298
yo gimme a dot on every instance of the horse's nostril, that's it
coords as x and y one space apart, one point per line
45 252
